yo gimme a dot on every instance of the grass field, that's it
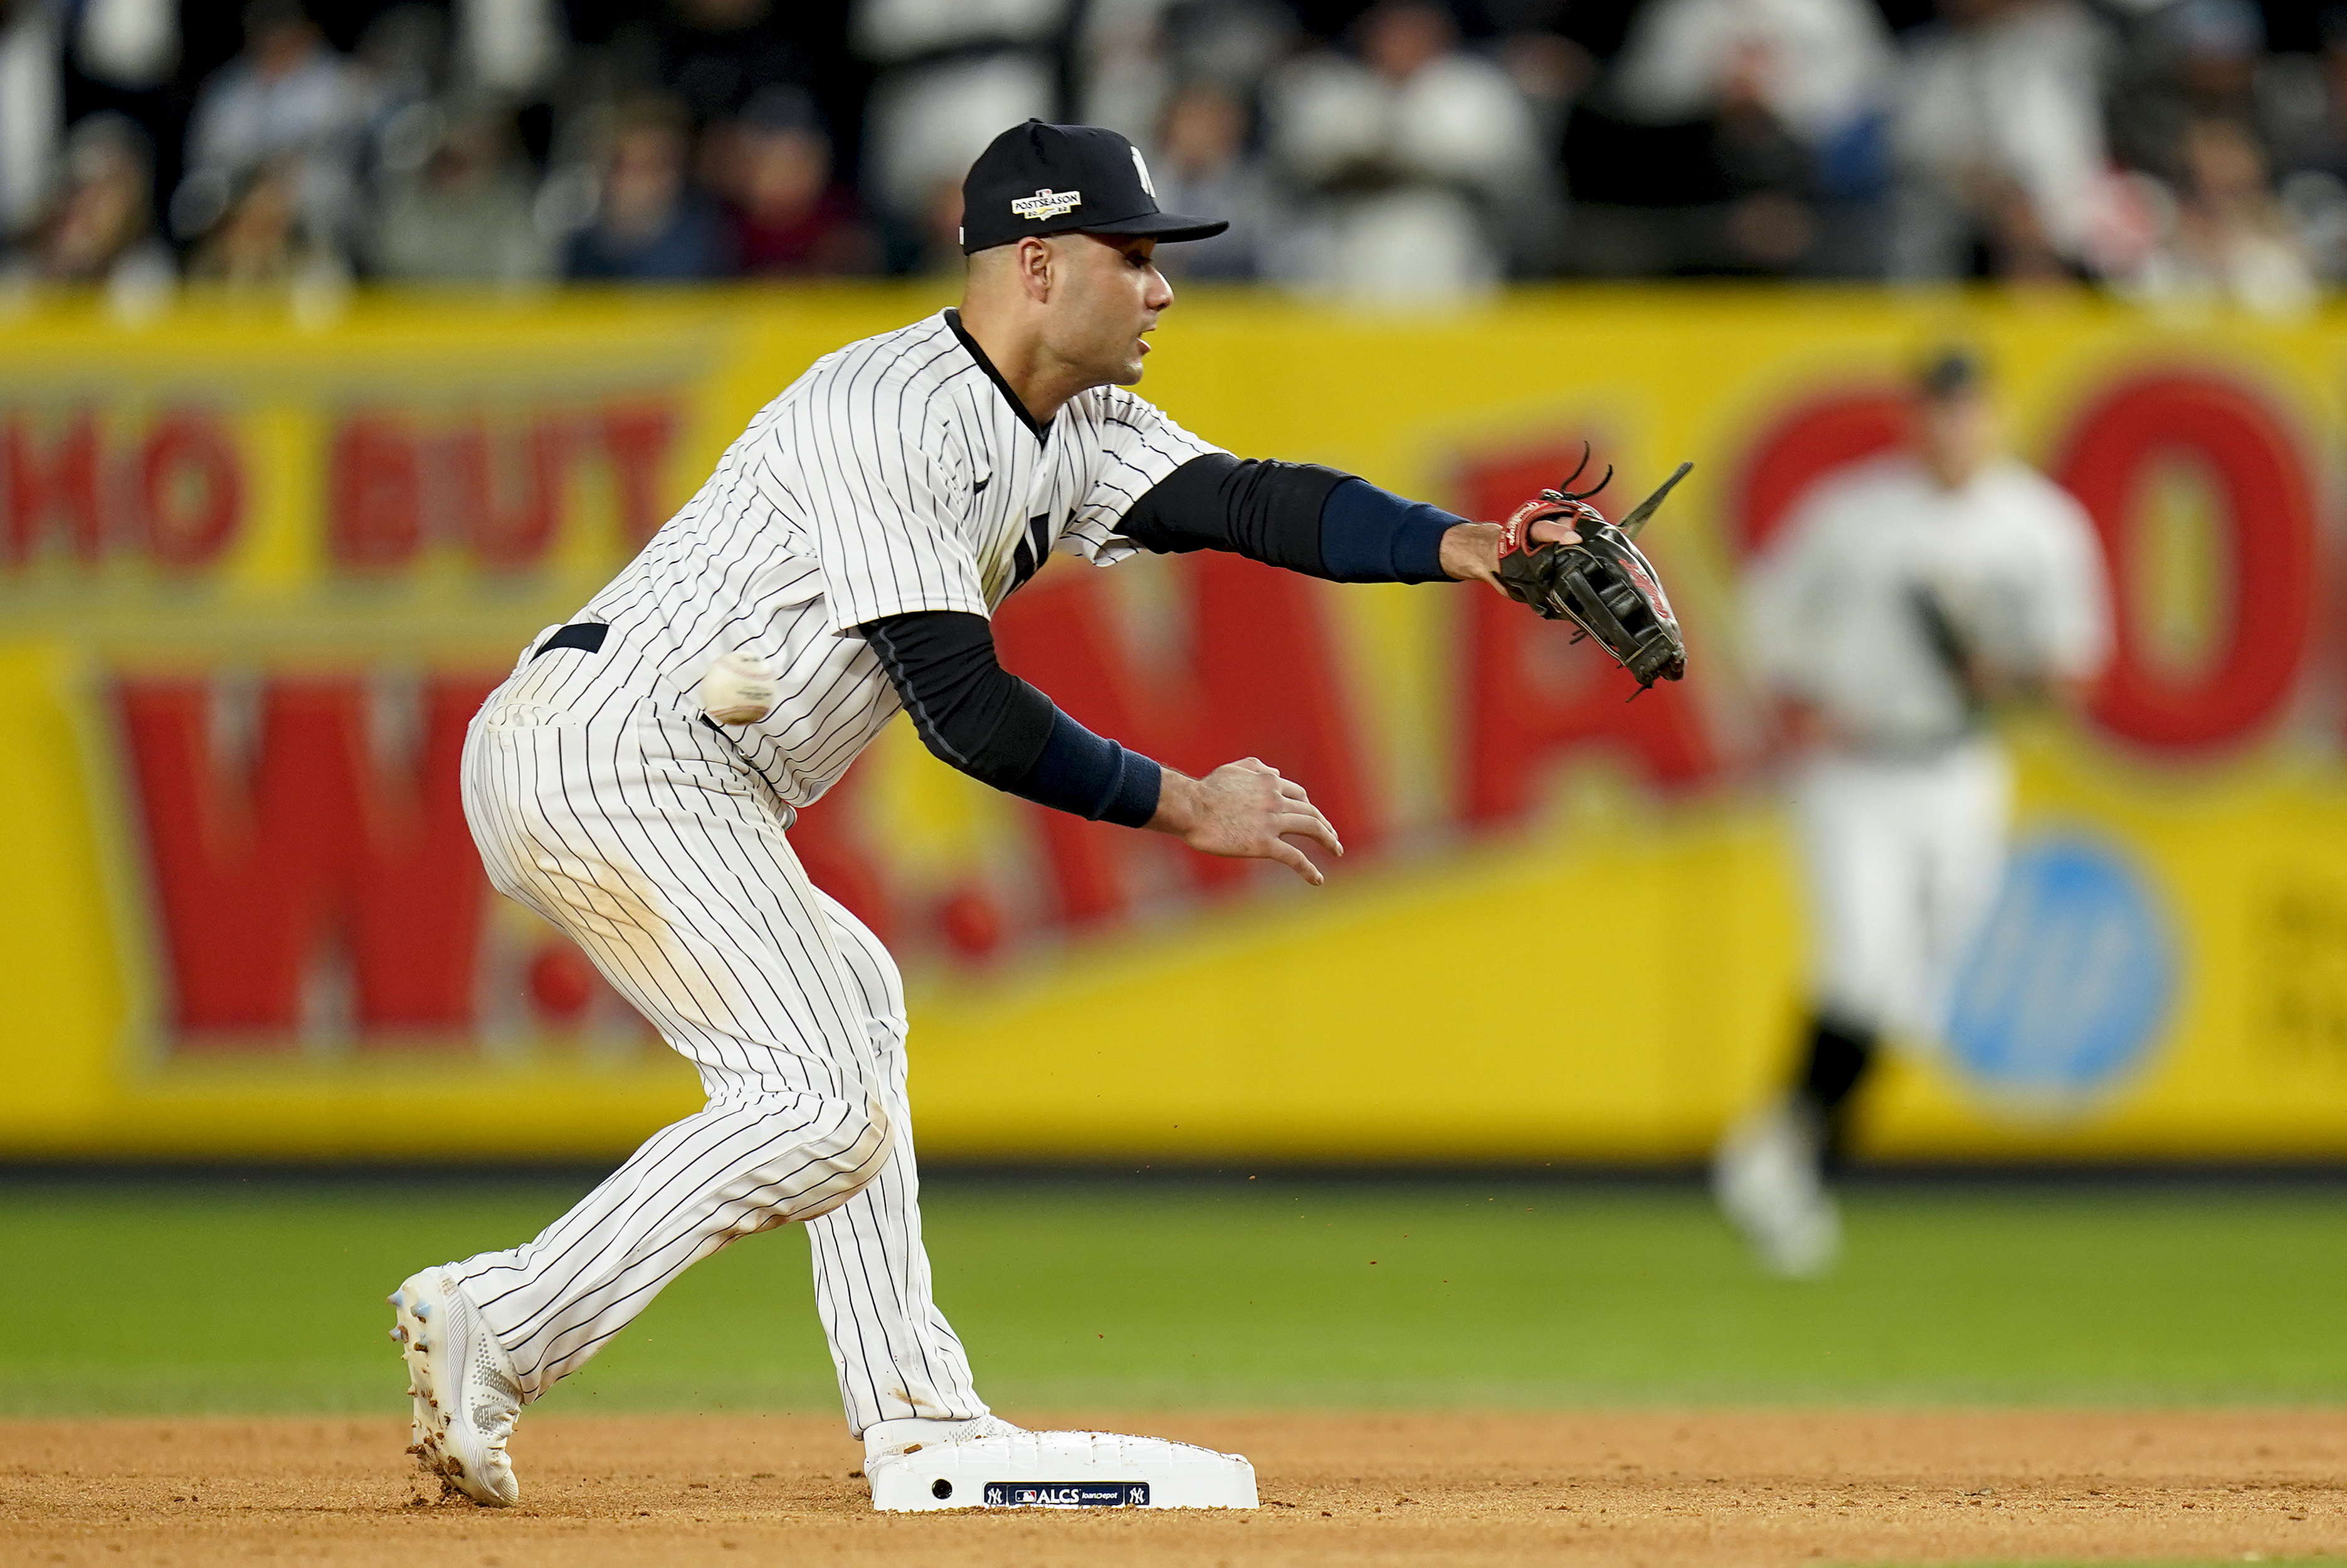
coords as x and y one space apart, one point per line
266 1295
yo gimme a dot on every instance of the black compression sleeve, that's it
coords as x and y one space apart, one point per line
970 709
981 718
1299 515
1264 510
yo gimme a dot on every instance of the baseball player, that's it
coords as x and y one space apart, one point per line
635 778
1905 598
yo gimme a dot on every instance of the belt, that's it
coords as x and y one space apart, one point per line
587 636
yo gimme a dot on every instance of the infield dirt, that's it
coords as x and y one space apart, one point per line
1652 1488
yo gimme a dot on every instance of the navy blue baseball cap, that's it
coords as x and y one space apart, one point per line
1952 371
1040 178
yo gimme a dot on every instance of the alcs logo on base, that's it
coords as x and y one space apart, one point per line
1068 1494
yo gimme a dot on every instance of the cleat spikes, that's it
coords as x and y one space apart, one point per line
463 1396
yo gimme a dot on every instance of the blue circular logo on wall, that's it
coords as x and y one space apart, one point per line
2071 981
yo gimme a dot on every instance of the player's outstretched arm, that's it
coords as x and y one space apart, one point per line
1245 810
981 719
1316 521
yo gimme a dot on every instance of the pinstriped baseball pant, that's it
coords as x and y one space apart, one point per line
636 832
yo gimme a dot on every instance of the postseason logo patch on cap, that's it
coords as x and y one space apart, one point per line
1047 204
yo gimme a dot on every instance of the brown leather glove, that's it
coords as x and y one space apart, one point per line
1603 585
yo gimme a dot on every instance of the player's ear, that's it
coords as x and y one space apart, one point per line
1035 260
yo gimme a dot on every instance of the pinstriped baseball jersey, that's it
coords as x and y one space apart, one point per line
896 474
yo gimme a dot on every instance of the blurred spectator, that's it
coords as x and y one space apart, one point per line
1418 159
128 44
786 215
2313 153
1551 69
32 109
715 55
2318 142
650 224
101 229
507 46
1132 57
288 101
464 213
2228 239
1203 166
404 55
1998 139
1409 158
1749 137
1819 67
2191 61
955 75
1122 61
261 240
937 251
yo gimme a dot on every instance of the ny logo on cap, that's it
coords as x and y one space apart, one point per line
1047 204
1142 170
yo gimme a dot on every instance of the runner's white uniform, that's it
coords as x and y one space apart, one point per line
1902 824
896 476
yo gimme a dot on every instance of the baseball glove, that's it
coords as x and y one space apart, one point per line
1603 585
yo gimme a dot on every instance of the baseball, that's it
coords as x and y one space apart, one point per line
738 689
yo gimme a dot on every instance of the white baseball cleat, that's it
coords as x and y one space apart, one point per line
1767 1178
467 1397
990 1463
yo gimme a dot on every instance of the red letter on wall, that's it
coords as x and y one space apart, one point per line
2269 515
1258 681
250 876
58 485
374 494
505 489
191 490
1803 448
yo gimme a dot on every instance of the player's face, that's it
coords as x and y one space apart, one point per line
1957 434
1107 295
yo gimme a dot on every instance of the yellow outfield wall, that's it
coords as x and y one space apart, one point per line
255 572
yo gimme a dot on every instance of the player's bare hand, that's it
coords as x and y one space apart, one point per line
1245 810
1471 551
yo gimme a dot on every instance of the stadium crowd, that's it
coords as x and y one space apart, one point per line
1404 150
